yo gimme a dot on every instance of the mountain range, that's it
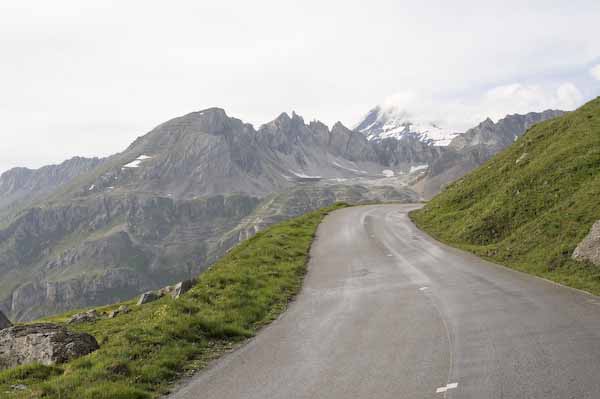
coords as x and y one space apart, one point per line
94 231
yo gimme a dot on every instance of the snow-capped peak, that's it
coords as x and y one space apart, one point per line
382 123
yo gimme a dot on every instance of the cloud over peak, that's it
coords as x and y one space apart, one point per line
595 72
463 112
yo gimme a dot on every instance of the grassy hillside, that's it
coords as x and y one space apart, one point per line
144 351
529 206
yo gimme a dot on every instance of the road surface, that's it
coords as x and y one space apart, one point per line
388 312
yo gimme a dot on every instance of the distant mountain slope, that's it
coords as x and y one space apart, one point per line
23 184
529 206
470 149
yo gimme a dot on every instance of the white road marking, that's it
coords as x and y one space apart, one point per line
423 288
390 255
447 387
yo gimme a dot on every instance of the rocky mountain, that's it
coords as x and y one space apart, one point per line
93 231
21 185
471 149
391 122
174 201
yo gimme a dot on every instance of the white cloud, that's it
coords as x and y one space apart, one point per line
462 113
522 98
83 79
568 97
595 72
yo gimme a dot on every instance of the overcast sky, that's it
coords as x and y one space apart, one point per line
87 77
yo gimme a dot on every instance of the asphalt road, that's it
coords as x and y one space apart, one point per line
388 312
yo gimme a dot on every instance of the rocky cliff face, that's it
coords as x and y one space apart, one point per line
107 248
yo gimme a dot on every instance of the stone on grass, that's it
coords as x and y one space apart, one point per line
4 322
166 290
90 315
42 343
148 297
114 313
182 287
589 248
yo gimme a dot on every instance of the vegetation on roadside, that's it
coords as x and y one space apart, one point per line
144 351
529 206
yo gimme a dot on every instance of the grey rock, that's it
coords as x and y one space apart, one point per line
4 322
89 316
182 287
589 248
148 297
121 310
42 343
166 290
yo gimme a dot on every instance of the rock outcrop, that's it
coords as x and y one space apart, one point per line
4 322
182 287
90 315
123 309
42 343
589 248
147 297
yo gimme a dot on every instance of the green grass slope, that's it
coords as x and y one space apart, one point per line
143 352
529 206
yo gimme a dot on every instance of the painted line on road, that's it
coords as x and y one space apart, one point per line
447 387
423 288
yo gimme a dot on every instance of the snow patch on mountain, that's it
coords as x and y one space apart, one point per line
417 168
303 176
136 163
381 123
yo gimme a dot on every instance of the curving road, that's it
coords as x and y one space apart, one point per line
388 312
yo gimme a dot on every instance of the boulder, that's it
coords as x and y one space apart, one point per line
589 248
182 287
4 322
114 313
147 297
42 343
168 290
90 315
